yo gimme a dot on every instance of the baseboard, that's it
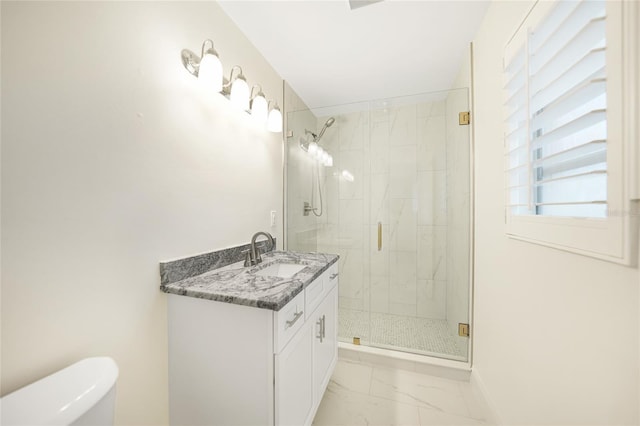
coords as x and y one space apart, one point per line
480 391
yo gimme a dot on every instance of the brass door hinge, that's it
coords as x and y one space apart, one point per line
463 330
464 118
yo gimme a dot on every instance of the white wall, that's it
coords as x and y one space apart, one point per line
112 160
556 334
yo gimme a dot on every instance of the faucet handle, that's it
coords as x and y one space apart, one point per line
247 257
258 258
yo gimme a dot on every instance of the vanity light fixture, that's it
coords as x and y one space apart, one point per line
274 122
208 69
238 89
259 105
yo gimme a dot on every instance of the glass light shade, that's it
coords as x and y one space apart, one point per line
313 148
330 161
259 109
274 122
210 72
240 94
325 158
319 154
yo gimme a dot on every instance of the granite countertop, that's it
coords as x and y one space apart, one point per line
237 284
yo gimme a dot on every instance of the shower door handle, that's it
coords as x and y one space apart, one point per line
379 236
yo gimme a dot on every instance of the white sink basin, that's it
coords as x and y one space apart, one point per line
282 270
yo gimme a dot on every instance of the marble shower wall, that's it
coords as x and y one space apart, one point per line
301 231
398 159
343 229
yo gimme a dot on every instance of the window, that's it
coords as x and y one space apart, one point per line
564 139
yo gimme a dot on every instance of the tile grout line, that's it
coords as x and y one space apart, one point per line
371 380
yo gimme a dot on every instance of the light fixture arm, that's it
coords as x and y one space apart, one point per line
252 96
204 43
226 85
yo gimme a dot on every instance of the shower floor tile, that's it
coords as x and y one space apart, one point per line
418 335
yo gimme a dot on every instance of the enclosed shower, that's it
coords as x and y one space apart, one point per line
386 185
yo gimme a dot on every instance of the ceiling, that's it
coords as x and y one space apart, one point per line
332 55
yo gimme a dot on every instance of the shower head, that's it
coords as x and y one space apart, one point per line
328 123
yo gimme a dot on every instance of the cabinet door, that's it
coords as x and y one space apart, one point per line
294 380
325 344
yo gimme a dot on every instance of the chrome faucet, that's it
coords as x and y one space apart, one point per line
253 255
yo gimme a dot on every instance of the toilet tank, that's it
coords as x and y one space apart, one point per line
81 394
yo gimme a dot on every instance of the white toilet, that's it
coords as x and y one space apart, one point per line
81 394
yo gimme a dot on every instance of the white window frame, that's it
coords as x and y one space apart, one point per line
614 238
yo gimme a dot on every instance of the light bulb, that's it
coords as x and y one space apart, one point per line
274 122
313 148
240 93
330 161
259 109
325 158
319 154
210 72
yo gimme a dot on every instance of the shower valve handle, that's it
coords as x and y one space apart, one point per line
308 208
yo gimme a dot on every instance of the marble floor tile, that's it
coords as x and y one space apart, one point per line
436 393
340 407
429 417
352 376
365 394
477 410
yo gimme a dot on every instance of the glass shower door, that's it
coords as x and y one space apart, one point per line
419 224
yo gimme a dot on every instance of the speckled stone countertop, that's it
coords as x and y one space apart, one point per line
237 284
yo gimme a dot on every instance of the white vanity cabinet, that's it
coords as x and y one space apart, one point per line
294 381
232 364
325 344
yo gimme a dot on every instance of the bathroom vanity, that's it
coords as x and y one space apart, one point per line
253 345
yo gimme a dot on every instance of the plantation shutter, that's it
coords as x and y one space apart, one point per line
556 114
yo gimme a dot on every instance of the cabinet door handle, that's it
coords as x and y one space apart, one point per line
320 335
379 236
324 335
333 276
296 317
